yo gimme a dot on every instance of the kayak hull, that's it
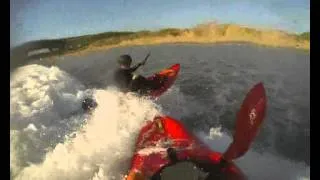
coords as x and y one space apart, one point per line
156 136
165 78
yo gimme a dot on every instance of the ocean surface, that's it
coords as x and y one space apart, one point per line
52 138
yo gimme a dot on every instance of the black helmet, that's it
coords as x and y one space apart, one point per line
125 60
88 104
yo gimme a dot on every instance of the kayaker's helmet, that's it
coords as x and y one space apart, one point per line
89 104
125 60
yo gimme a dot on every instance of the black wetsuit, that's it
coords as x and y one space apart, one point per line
123 77
125 82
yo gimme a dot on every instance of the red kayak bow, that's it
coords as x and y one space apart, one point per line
166 78
164 132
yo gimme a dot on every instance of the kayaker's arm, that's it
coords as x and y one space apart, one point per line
134 68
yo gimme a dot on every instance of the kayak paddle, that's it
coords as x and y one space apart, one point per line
249 119
145 59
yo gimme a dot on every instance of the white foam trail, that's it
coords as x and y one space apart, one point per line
42 101
100 149
43 94
264 166
103 148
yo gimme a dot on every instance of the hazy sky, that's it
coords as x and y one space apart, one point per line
38 19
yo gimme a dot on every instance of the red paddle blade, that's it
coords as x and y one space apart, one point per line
249 120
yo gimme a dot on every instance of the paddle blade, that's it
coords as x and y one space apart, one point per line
249 120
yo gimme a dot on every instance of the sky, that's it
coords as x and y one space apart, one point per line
49 19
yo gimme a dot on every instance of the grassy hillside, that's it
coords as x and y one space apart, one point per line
304 36
202 33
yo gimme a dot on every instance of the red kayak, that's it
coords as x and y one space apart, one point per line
165 78
151 155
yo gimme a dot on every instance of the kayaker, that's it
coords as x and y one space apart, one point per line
124 78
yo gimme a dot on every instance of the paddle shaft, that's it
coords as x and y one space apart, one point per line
145 59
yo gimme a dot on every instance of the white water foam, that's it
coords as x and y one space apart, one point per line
50 138
40 94
99 148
